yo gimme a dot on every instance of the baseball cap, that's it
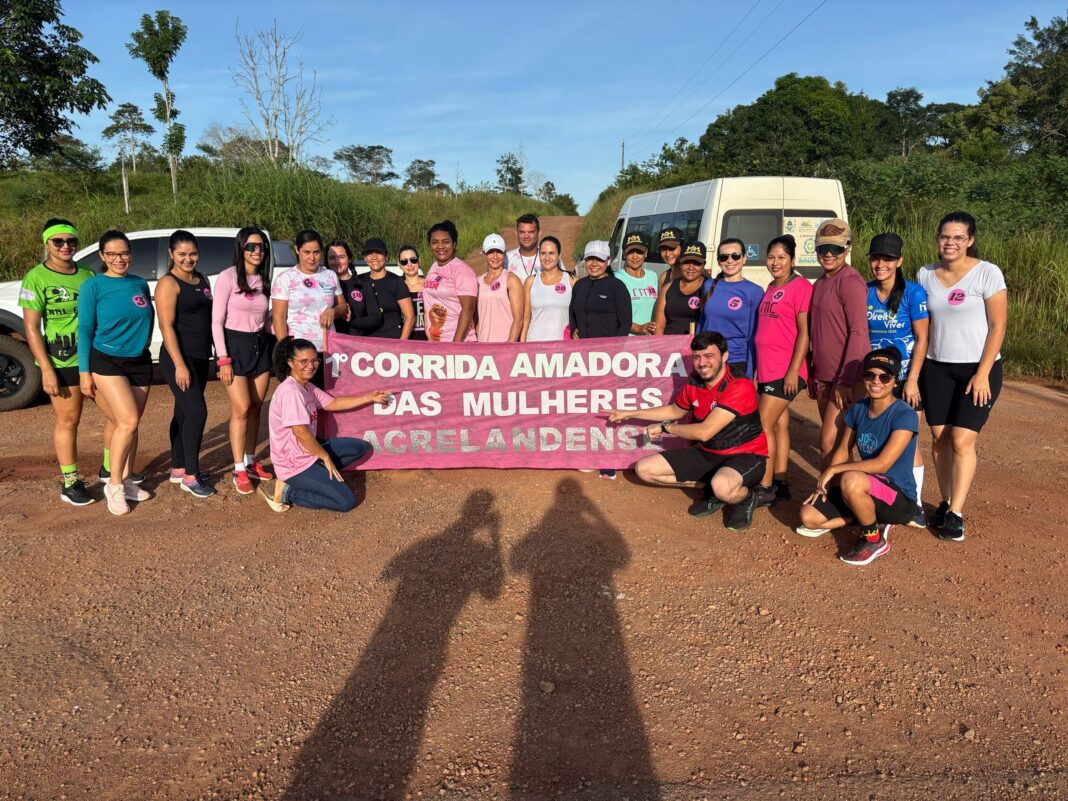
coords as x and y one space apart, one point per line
834 232
635 239
493 242
375 246
888 359
669 236
693 251
597 249
888 244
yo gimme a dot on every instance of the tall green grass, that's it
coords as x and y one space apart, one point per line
280 201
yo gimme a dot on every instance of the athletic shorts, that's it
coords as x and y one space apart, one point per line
251 351
774 388
696 464
67 376
945 402
136 369
891 504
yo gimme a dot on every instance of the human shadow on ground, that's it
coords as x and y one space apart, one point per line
580 733
366 743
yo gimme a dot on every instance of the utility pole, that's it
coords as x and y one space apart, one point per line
622 154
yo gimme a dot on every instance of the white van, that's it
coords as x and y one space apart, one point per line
755 210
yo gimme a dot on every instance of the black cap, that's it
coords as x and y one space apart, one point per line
693 251
888 359
375 246
669 236
636 239
886 245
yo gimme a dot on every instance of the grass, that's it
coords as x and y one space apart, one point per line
282 202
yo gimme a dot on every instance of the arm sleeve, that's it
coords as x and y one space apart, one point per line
280 288
684 398
291 411
466 282
321 397
857 344
86 323
993 281
624 311
30 295
224 288
905 419
403 293
918 309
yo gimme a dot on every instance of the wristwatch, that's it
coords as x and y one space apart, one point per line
664 425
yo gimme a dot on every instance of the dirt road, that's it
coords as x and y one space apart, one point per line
527 635
566 229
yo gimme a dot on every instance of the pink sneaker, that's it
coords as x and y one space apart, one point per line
115 496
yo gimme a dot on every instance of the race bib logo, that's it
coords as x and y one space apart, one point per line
310 283
250 296
956 297
734 303
140 301
694 302
356 295
207 293
779 295
560 289
496 286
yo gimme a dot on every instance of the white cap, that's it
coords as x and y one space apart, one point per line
597 249
493 242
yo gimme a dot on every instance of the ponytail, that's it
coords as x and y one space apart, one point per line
893 303
285 350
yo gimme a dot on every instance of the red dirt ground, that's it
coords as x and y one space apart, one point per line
527 635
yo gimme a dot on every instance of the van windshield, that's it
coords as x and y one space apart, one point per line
688 222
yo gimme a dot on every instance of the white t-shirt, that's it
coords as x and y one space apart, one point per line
526 266
959 323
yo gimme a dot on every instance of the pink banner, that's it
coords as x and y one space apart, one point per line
534 405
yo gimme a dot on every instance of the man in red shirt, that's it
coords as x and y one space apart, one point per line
729 448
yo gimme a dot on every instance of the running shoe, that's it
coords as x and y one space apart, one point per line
782 489
765 496
608 474
75 494
740 515
116 499
865 551
938 516
104 475
707 504
177 476
134 492
918 520
259 471
812 533
198 488
953 528
243 483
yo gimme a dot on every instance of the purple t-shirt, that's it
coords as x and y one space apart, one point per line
293 405
732 311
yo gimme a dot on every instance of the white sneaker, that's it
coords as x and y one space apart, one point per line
134 492
811 532
116 499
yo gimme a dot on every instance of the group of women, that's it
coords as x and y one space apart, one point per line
90 335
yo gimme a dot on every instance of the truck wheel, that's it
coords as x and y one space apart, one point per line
20 378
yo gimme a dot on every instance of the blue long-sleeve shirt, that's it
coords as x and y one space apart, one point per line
115 316
732 311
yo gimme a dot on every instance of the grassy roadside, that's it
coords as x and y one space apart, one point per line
283 202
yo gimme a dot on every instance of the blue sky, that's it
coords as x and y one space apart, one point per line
462 83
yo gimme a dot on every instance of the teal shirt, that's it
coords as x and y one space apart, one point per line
115 316
642 295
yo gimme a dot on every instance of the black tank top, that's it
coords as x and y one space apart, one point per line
192 318
680 310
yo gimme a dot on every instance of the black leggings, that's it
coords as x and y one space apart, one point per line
190 412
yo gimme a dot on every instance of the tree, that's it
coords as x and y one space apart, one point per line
510 173
283 110
367 164
546 192
42 78
1039 73
566 203
421 175
156 43
128 128
914 121
236 147
70 155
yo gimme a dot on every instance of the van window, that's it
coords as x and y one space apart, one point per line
615 242
755 228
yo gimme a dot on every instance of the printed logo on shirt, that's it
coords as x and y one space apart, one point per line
207 293
734 303
250 296
779 295
356 295
58 294
956 297
310 283
27 294
496 286
866 444
694 302
603 297
641 292
140 301
433 281
561 289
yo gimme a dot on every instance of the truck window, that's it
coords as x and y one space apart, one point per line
216 254
144 258
755 228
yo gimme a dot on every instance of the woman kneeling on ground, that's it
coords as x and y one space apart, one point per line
309 469
880 489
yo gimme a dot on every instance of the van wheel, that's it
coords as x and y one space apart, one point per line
20 378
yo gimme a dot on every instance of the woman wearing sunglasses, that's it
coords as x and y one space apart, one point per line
408 259
961 379
49 300
729 305
879 490
309 469
390 292
839 327
243 344
361 314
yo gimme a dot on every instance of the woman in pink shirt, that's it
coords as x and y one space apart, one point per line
243 347
781 344
500 296
450 290
309 469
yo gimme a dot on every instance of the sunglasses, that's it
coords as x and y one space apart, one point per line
830 250
878 378
722 257
252 247
412 260
64 243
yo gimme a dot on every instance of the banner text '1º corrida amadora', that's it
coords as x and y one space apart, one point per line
521 404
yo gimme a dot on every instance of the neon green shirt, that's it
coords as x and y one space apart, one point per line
55 296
